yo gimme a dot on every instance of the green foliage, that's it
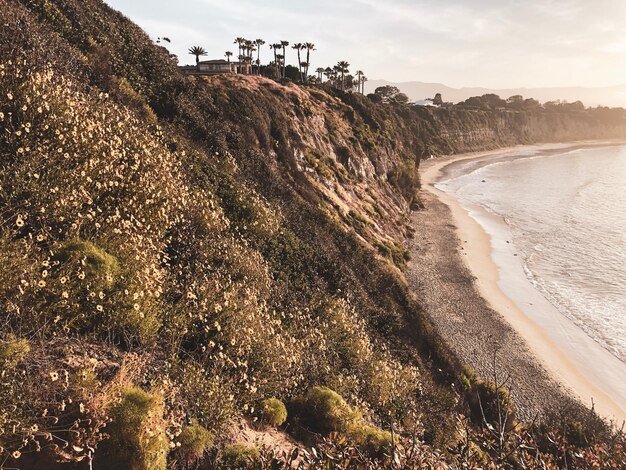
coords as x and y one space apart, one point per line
194 442
273 411
13 351
137 439
371 439
323 410
398 255
358 221
97 263
239 456
489 402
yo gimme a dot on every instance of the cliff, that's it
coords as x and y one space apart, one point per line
180 254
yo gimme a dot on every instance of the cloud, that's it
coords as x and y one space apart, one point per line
494 43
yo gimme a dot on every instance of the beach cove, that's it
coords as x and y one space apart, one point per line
488 310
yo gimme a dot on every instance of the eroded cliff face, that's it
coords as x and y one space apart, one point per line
359 159
481 130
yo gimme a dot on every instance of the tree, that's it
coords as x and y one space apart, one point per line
276 47
248 49
359 75
531 103
320 71
258 43
488 101
386 93
390 95
363 80
197 51
329 73
240 42
342 68
400 98
228 55
438 100
299 46
309 46
284 45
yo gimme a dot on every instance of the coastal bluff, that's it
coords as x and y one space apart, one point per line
209 272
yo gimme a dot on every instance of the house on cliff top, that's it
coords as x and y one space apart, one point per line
217 66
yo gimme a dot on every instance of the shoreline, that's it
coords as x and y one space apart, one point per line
558 347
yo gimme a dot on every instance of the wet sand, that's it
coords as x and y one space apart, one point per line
461 272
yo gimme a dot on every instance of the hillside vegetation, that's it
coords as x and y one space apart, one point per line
178 254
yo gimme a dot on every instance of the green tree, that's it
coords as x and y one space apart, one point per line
387 93
298 47
359 75
284 45
198 52
309 46
258 43
343 69
228 55
240 42
276 47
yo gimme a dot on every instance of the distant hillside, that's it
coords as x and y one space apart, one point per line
607 96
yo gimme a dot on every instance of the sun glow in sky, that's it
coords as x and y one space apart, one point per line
491 43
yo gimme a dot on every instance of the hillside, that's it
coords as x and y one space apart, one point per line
606 96
181 255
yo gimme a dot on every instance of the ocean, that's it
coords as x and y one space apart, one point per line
565 210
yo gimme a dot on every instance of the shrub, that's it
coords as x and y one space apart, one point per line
137 439
273 411
371 439
13 351
239 456
490 402
397 254
325 411
97 262
195 441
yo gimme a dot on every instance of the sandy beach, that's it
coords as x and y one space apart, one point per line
460 265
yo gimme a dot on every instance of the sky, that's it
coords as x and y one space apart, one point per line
488 43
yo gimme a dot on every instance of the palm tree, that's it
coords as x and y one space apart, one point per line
309 46
342 68
304 65
284 44
276 46
228 55
363 80
359 74
299 46
248 50
240 42
281 62
197 51
320 71
259 43
329 73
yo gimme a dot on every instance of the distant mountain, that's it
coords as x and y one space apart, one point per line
607 96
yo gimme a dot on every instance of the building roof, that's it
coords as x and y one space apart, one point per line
215 61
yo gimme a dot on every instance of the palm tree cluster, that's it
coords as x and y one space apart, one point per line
337 76
246 50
